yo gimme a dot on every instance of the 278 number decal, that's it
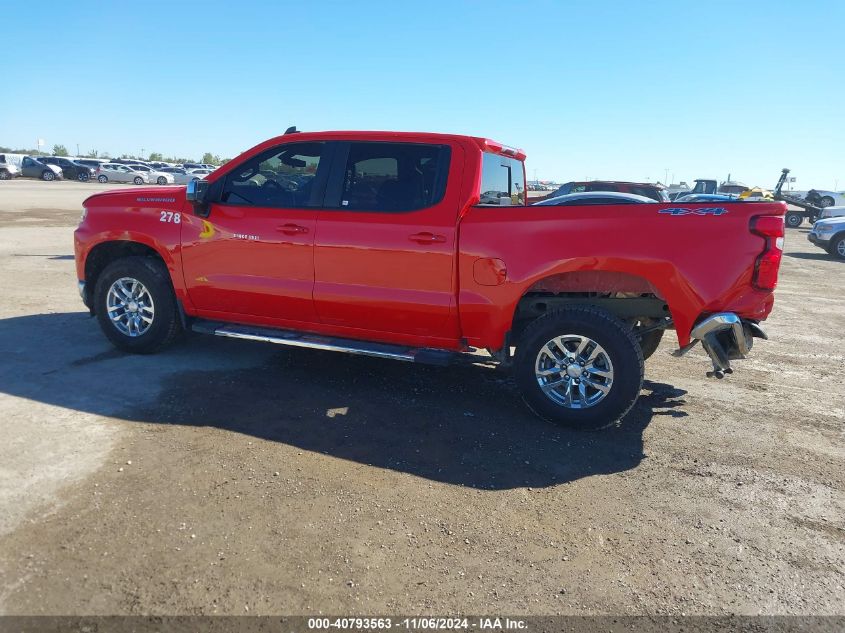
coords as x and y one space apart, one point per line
169 216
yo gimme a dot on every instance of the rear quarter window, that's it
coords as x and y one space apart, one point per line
502 181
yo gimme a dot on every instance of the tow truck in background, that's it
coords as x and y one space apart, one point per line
794 218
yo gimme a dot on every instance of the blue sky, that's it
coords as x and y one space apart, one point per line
619 90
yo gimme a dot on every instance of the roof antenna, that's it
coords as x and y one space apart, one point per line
292 130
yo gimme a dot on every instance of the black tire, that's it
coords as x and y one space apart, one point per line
826 201
619 342
48 175
166 326
138 180
5 175
83 176
161 180
650 342
837 247
794 219
102 178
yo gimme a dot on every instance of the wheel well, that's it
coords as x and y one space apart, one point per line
104 254
628 297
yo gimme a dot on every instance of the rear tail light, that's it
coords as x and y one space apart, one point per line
771 229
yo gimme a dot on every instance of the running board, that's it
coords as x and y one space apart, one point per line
290 338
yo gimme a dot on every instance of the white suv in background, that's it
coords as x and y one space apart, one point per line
8 170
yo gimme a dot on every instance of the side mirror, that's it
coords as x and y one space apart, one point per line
195 193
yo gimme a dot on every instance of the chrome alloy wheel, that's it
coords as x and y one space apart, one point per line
130 307
840 248
574 371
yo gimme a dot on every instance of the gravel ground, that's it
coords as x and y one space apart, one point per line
225 477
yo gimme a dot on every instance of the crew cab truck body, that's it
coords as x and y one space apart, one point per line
377 243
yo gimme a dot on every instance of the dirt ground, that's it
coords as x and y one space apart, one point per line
225 477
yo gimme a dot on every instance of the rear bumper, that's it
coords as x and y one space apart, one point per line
725 337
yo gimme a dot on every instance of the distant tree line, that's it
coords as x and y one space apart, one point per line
61 150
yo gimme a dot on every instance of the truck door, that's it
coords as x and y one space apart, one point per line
254 253
384 256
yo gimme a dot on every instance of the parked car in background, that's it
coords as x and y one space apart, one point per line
127 161
594 197
649 190
114 172
70 169
180 176
706 197
832 212
830 235
93 163
34 168
820 198
187 166
184 176
732 187
153 175
8 170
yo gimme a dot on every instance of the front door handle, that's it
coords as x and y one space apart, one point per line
293 229
427 238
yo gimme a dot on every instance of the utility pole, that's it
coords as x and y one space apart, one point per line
77 149
666 178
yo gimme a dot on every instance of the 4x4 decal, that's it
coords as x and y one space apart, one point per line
703 211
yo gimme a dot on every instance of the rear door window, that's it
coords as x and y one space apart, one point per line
394 177
502 180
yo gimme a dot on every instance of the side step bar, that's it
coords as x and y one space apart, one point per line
315 341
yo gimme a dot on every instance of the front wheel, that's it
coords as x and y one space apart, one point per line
82 176
161 180
837 247
138 180
48 175
580 367
794 220
102 178
135 305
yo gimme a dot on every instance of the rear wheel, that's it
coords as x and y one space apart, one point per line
102 178
48 175
794 220
161 180
580 367
83 176
135 305
826 201
5 175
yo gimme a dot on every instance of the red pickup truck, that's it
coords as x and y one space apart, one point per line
422 247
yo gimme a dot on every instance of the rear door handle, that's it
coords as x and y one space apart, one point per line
427 238
292 229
